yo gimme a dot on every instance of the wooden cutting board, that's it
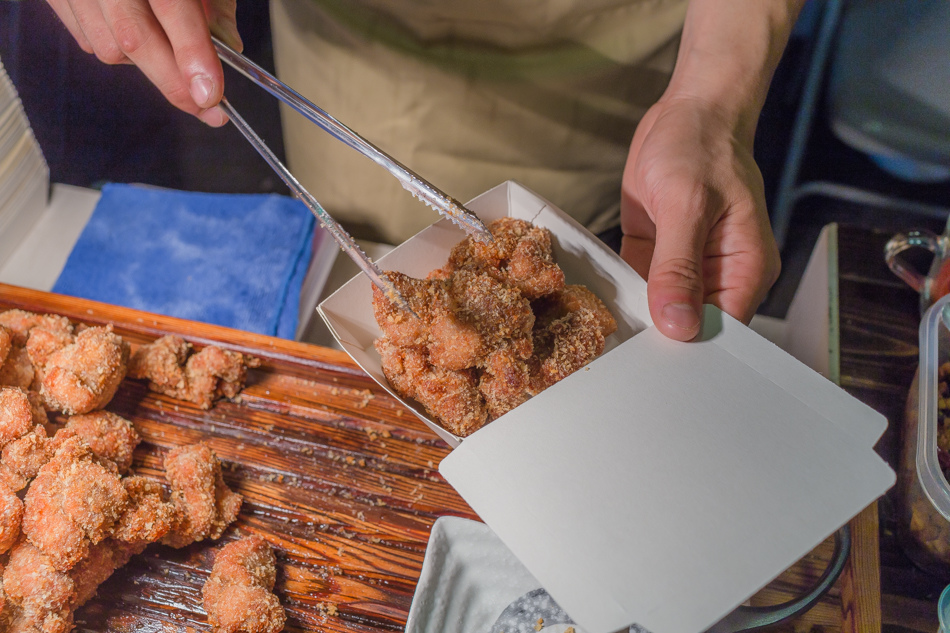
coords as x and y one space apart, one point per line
336 475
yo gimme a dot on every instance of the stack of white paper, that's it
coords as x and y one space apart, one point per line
24 175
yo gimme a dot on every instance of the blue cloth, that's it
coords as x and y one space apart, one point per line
236 260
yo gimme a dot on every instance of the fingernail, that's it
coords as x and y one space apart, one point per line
215 117
682 315
201 88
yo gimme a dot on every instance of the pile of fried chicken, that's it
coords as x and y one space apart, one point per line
70 513
493 327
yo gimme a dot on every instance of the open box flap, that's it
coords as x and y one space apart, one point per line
679 484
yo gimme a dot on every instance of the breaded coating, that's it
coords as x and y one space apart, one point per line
172 369
16 414
238 595
496 325
48 337
461 318
215 373
84 376
571 299
21 459
11 513
162 363
566 345
204 505
17 370
20 322
41 596
500 313
42 599
451 397
110 436
520 255
451 341
505 382
422 295
149 516
72 504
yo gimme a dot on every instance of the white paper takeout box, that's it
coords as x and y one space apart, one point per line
664 483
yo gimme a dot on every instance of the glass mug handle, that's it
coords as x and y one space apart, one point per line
893 255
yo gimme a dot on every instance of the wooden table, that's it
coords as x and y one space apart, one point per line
335 474
879 321
343 481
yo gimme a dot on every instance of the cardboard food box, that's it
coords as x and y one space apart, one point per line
664 483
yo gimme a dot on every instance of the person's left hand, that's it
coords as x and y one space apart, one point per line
693 216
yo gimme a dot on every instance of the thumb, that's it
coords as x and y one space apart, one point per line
675 285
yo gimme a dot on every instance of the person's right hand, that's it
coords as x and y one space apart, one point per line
169 40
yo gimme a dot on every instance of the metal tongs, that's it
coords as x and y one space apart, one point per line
342 238
412 182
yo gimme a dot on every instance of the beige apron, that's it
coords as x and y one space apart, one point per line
470 93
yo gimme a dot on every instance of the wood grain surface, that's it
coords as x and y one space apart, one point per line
338 476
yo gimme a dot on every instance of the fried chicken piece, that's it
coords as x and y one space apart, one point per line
72 504
422 295
42 599
499 312
238 595
216 373
11 514
149 516
41 595
23 441
20 322
453 342
172 369
460 318
496 325
21 459
162 363
16 414
84 376
48 337
204 505
451 397
505 382
520 255
110 436
571 299
17 370
566 345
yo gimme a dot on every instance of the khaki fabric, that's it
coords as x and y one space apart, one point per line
470 94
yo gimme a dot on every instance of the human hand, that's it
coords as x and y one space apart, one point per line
169 40
693 215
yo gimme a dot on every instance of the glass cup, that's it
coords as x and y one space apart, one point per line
936 283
